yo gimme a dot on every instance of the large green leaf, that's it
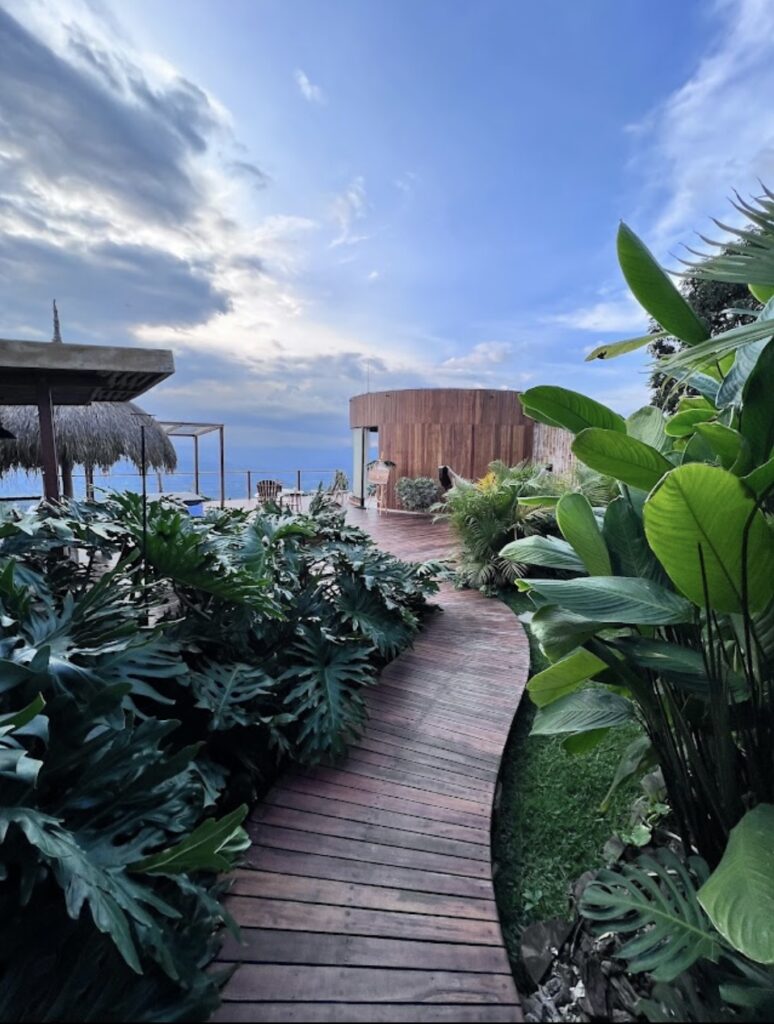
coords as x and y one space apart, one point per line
615 599
327 698
564 676
654 900
731 389
234 694
621 456
559 407
212 846
551 552
625 538
714 349
761 480
739 894
757 416
726 443
654 290
698 521
559 631
583 711
579 527
649 426
618 348
684 423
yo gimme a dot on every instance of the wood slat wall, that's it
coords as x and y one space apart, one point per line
367 895
422 429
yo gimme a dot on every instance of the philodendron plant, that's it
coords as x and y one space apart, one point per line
665 614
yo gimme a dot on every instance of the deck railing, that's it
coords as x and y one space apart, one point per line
239 483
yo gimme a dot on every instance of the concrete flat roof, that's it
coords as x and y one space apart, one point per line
79 374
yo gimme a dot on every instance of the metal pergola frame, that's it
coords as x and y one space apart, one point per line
46 374
195 430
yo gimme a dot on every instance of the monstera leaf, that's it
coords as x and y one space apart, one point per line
118 905
367 612
15 762
232 694
212 846
327 696
654 901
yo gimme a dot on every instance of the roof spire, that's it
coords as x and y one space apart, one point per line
57 338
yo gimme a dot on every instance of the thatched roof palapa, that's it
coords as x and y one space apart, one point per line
96 435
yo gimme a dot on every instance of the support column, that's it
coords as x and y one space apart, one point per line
222 467
196 463
359 459
47 441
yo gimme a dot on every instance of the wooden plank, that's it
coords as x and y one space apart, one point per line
288 947
358 1013
328 825
302 888
315 865
354 849
372 797
429 780
305 983
342 776
336 807
288 915
401 755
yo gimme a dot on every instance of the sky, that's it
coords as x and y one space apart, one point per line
305 199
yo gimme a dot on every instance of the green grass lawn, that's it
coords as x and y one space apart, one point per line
548 829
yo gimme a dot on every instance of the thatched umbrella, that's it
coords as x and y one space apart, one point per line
99 434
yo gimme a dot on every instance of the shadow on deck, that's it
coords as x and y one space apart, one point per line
368 893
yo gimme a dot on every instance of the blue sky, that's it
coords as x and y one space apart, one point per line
300 195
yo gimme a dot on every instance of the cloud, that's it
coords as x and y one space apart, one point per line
127 284
714 133
312 93
484 354
618 314
111 132
348 208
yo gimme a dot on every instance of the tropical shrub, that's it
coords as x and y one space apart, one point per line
667 619
417 494
509 502
151 675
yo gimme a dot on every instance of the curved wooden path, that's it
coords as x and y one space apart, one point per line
368 891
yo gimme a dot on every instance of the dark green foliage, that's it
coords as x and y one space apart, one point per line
689 643
138 698
417 494
719 304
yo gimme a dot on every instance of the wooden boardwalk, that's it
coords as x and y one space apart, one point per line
368 894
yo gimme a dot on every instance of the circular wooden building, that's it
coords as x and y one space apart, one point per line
423 429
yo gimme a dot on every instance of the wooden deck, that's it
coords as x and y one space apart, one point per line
368 894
